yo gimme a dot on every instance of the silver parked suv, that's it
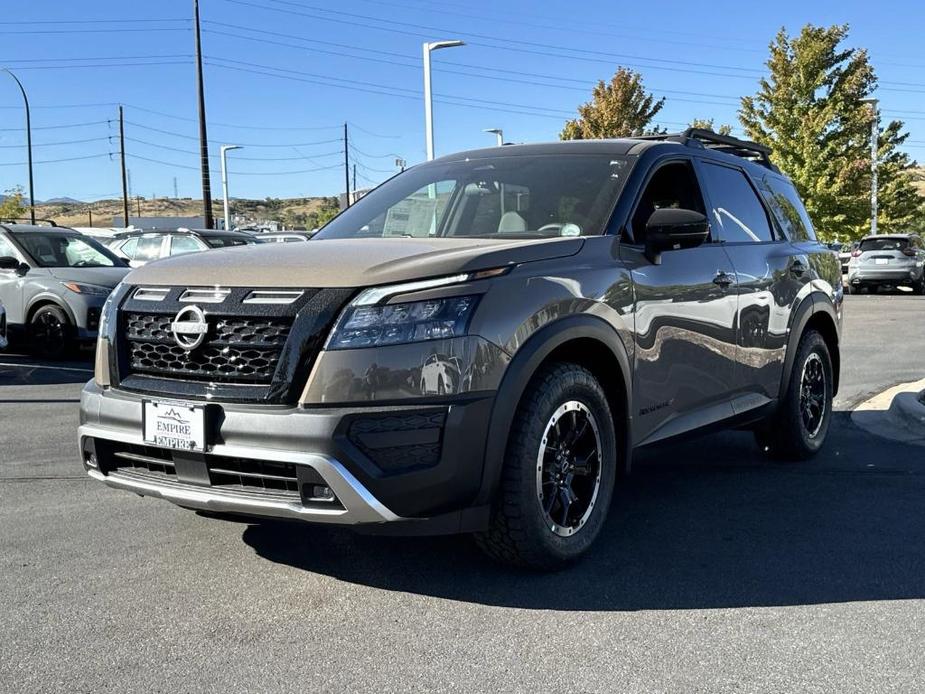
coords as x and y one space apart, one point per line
477 345
888 260
53 282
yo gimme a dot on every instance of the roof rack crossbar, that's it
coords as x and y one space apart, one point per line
26 220
708 139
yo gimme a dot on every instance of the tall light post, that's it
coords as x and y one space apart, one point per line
498 132
874 156
224 151
25 100
428 95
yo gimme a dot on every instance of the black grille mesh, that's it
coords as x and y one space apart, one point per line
236 349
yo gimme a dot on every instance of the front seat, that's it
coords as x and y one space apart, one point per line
511 223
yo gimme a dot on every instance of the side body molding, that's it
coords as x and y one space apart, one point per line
522 368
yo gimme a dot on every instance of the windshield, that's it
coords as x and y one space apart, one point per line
66 250
884 244
225 241
513 196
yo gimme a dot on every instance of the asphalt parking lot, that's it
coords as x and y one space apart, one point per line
718 571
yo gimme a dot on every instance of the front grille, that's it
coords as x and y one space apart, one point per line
241 476
257 346
235 349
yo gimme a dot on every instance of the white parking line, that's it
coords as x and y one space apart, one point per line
53 368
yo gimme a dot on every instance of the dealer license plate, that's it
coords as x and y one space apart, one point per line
169 425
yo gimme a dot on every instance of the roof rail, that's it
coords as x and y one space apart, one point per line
708 139
26 220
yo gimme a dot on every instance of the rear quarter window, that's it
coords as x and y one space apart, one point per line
788 209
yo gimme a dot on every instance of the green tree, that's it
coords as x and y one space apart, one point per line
810 111
12 206
707 124
622 108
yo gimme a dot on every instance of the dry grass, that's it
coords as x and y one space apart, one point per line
77 214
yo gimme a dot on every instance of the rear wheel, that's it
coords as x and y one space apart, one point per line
559 472
50 332
919 287
799 427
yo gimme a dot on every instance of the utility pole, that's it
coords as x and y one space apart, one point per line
354 182
138 204
874 155
25 100
90 215
227 205
176 194
203 135
346 168
124 176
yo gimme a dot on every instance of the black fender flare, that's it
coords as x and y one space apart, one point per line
524 365
812 304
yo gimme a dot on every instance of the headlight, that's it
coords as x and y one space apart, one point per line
394 324
88 289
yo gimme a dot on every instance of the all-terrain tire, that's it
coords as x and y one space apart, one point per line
519 532
786 434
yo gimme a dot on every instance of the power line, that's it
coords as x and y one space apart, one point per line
236 173
237 157
57 161
93 21
57 127
57 144
99 65
104 57
243 144
93 31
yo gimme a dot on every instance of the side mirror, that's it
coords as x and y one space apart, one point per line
9 263
671 229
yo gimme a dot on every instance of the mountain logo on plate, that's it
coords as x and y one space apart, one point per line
189 327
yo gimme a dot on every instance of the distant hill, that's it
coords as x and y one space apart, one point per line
69 212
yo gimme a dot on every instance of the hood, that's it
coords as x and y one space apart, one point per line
346 262
101 276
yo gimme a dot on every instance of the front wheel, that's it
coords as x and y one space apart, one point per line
799 427
559 472
50 332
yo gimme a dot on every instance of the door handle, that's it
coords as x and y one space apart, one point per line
723 279
797 268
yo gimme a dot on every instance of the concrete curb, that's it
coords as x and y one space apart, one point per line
897 413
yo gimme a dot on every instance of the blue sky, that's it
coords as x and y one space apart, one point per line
283 75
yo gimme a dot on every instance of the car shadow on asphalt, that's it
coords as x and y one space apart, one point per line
22 370
701 524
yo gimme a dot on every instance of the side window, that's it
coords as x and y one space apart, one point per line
673 185
738 214
783 200
183 244
148 248
6 249
128 248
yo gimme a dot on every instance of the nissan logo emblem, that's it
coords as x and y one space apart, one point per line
189 327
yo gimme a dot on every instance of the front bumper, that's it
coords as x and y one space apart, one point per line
323 447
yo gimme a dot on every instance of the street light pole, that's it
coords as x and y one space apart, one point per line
224 151
429 48
25 100
498 132
874 156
